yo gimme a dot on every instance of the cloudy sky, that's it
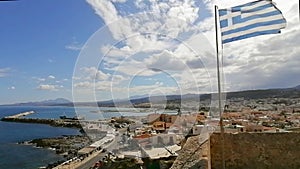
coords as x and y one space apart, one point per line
104 49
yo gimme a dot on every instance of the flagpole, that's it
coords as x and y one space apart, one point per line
219 87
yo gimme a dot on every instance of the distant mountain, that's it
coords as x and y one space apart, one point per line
261 94
297 87
55 102
293 92
248 94
139 96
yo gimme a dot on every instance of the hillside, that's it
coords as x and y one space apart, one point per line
170 99
248 94
55 102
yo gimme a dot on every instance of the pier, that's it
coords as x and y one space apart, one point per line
52 122
20 115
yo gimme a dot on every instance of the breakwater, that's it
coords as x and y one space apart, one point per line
21 114
52 122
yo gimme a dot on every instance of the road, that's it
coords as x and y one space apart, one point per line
113 145
86 163
90 163
96 156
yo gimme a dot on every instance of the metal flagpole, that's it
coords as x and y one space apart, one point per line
219 87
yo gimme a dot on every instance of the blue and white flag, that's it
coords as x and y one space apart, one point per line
252 19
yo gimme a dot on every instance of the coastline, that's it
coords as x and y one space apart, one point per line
51 122
65 145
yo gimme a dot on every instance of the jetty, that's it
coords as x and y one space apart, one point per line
52 122
20 115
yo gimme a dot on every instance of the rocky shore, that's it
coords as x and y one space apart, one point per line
64 145
67 146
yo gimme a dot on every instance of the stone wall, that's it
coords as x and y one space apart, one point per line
193 155
256 151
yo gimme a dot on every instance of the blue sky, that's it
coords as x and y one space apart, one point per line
41 41
36 42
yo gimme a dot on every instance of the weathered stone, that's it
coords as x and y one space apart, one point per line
256 150
192 156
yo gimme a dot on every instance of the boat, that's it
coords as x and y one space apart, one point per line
64 117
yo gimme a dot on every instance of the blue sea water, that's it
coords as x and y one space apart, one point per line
89 113
16 156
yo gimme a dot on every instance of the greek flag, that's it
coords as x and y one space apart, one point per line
252 19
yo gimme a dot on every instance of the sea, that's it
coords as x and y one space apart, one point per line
19 156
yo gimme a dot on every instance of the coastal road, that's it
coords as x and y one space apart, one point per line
96 156
85 164
92 160
90 163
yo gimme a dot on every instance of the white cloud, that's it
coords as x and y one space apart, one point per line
168 19
159 83
51 61
94 79
92 73
263 61
51 77
105 9
132 67
75 45
118 78
148 43
165 61
12 88
39 79
119 1
168 39
94 86
84 84
154 89
4 72
194 81
112 51
49 87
